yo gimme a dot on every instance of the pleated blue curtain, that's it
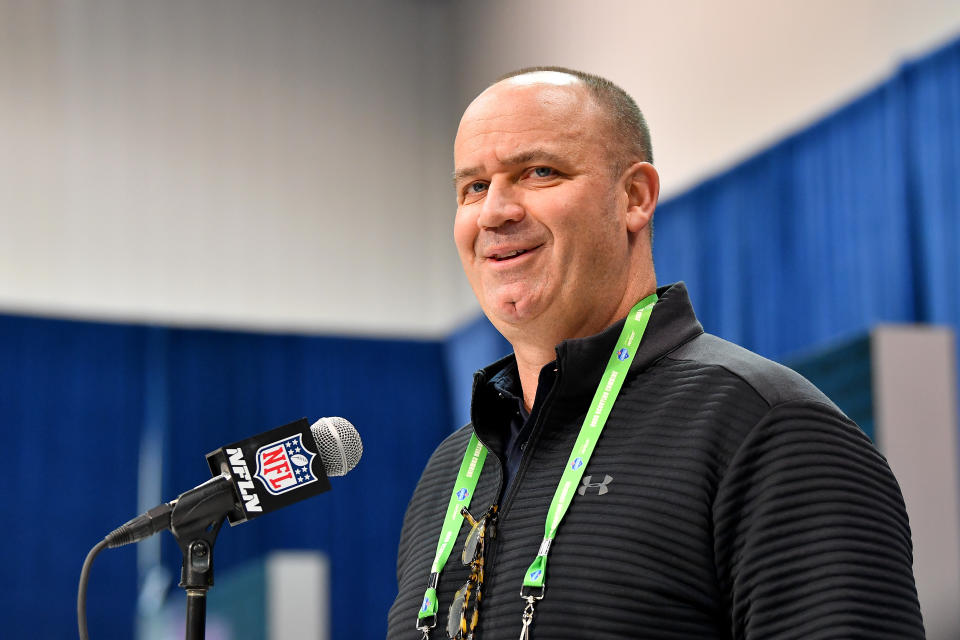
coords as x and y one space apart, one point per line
931 106
71 407
851 222
77 401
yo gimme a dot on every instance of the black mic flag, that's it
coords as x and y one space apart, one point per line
271 470
255 476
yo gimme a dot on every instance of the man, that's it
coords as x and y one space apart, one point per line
714 494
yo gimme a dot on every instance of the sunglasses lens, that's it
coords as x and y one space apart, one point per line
464 611
456 611
472 545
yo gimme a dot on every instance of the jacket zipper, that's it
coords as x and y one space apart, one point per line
508 499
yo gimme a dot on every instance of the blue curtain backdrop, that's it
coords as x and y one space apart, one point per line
853 221
71 405
848 223
76 397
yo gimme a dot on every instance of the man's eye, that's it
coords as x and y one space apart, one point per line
543 172
476 187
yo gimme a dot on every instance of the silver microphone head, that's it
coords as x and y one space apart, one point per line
338 444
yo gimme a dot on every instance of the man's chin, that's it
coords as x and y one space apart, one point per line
513 310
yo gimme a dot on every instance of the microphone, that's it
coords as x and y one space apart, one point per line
255 476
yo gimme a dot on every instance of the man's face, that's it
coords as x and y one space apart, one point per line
540 219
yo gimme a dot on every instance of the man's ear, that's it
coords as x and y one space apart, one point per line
643 189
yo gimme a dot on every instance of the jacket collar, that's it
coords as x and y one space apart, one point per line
581 361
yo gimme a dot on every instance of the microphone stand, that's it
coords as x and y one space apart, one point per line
195 522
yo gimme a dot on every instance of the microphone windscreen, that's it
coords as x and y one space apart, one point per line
338 444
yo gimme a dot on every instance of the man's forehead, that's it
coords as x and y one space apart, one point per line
512 123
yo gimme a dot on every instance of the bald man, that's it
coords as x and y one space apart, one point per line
624 474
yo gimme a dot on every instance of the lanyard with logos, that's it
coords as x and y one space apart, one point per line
593 423
534 581
460 498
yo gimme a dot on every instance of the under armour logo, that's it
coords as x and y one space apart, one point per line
601 487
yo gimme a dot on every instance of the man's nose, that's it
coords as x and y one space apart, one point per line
501 204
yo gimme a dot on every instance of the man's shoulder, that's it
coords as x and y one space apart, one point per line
447 455
772 381
455 443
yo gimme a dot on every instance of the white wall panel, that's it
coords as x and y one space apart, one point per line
250 163
915 403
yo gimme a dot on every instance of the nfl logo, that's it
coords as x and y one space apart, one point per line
623 354
285 465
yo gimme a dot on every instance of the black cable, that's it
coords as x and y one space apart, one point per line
82 590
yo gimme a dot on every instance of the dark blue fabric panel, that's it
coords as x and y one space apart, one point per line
71 407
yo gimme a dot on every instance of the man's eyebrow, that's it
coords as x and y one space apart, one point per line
533 155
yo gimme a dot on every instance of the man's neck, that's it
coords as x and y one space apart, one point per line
533 351
529 363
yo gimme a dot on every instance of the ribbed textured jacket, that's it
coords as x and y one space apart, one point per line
740 503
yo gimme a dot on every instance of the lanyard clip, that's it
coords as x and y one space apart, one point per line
532 593
424 625
527 617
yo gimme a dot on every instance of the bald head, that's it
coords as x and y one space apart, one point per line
628 128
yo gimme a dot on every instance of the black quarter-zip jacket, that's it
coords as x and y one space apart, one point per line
727 498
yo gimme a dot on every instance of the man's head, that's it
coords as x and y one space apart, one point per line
555 203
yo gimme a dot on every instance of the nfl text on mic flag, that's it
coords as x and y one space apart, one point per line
256 476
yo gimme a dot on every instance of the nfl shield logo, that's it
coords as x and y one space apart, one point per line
285 465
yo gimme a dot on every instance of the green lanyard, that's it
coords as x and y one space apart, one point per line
462 493
593 423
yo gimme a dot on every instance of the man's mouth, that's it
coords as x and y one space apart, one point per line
510 255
